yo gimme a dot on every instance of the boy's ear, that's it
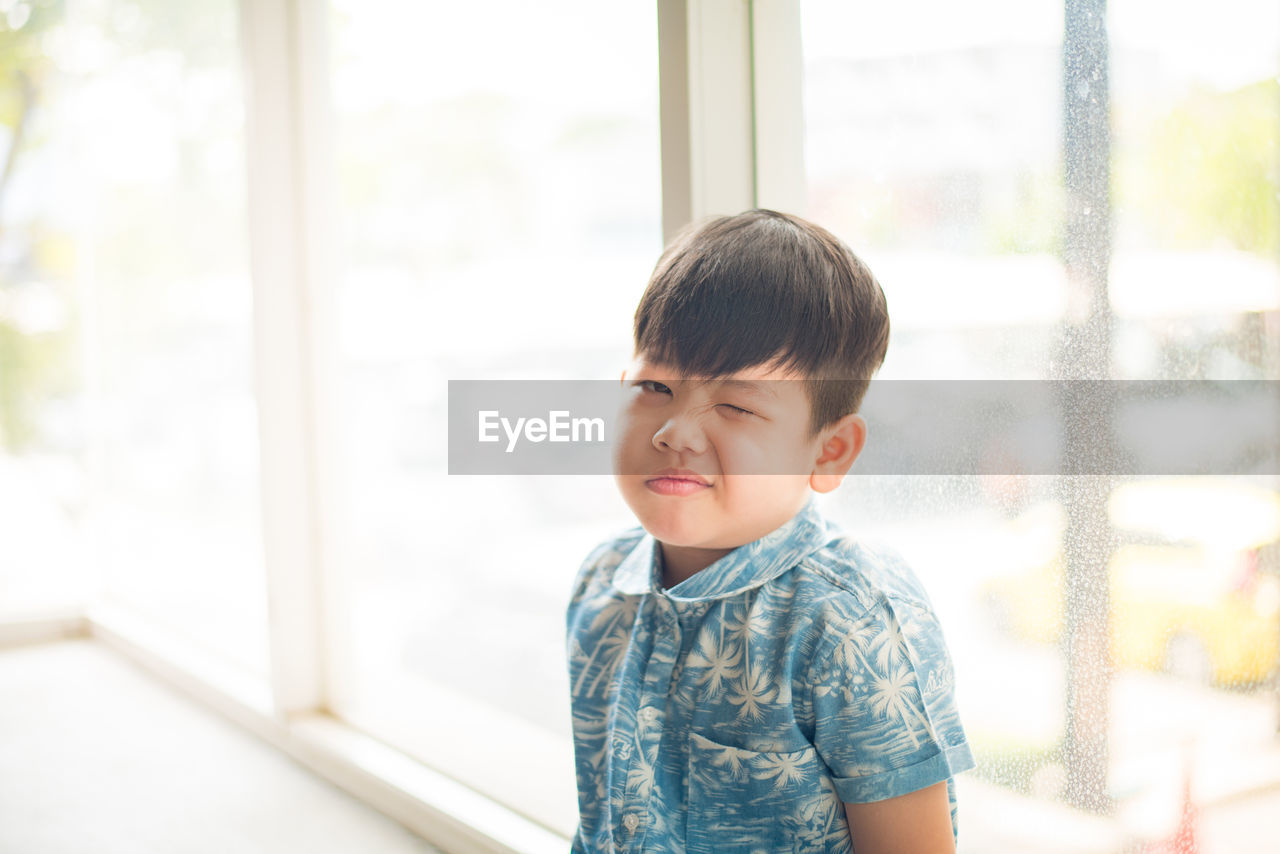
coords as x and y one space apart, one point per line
841 444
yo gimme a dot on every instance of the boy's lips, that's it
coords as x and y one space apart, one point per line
677 482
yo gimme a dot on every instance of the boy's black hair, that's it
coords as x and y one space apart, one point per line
767 288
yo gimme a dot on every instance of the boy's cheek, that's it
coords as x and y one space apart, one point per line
759 456
627 484
628 447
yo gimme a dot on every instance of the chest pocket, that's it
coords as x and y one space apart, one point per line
762 803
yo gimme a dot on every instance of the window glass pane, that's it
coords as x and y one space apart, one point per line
934 143
43 486
133 198
1195 288
1196 117
42 478
499 192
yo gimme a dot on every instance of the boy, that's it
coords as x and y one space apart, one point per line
744 677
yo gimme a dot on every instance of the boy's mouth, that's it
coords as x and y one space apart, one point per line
677 482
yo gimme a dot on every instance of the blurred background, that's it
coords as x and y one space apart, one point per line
1045 192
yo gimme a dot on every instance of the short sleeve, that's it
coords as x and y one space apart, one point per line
884 711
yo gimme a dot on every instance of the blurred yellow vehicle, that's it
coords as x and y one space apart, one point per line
1194 578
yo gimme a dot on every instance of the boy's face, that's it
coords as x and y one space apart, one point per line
691 453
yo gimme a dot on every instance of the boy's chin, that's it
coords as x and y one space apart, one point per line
670 535
678 534
664 526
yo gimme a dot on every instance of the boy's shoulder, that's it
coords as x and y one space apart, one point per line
602 560
864 595
862 574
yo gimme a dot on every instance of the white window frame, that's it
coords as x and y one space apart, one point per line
731 110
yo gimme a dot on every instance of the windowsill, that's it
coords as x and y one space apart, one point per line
438 808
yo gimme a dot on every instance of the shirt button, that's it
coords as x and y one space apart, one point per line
630 822
648 713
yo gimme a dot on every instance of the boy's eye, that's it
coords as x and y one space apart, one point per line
736 410
654 386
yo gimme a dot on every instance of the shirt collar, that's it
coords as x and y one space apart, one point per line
741 569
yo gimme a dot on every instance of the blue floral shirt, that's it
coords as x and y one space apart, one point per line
738 709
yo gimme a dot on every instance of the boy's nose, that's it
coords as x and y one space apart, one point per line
681 434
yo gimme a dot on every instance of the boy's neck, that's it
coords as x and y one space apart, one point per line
682 562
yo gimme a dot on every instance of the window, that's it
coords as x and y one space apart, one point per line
131 417
1096 665
500 200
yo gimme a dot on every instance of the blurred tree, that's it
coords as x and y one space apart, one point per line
24 68
26 361
1208 172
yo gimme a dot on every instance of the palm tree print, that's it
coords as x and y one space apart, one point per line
818 823
897 694
755 688
892 642
854 640
615 619
640 777
733 761
718 659
782 768
747 622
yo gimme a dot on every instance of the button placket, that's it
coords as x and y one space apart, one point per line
665 635
626 738
666 648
